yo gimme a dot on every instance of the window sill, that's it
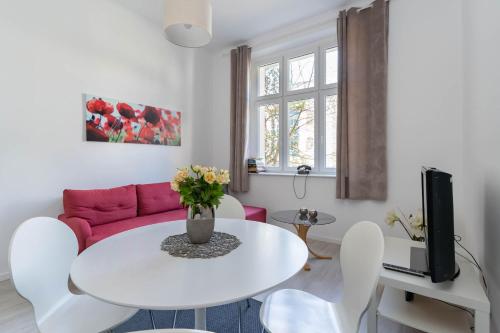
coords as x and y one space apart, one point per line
291 174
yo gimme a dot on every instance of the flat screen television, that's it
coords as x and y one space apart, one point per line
437 212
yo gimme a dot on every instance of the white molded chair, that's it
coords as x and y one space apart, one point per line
41 252
181 330
295 311
230 208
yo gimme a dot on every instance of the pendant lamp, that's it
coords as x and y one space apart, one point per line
188 23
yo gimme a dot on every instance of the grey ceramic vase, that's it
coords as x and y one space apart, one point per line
200 224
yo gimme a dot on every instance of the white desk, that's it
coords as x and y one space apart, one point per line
425 313
130 269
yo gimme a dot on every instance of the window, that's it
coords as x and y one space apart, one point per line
301 72
300 132
269 129
330 131
269 79
331 57
294 109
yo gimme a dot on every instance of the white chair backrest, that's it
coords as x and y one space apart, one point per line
230 208
361 255
41 252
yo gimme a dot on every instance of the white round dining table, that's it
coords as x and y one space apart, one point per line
130 269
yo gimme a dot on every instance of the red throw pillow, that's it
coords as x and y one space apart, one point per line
102 205
156 198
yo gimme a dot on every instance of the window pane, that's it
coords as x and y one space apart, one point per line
331 131
269 115
269 79
301 72
301 132
331 65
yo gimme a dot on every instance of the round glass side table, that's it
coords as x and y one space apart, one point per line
302 223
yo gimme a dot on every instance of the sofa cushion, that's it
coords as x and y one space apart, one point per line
255 213
103 231
101 206
156 198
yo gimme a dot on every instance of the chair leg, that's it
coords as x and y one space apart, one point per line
240 319
240 315
152 319
175 318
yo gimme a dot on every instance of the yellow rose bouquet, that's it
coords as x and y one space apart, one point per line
200 187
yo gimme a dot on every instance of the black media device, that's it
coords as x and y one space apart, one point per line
438 258
402 269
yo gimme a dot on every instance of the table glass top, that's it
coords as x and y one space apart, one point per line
294 217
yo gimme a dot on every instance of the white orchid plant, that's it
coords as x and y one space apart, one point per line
413 224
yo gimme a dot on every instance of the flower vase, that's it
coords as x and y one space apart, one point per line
200 224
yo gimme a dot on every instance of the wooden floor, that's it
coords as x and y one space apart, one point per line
16 314
324 280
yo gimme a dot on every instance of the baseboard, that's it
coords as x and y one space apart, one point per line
4 276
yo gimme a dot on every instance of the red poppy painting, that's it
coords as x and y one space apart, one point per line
110 120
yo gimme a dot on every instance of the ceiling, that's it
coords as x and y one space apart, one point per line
237 21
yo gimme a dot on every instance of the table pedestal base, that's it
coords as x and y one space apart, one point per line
302 233
200 319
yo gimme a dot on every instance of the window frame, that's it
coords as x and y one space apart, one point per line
297 53
322 102
318 93
255 77
286 144
323 48
279 101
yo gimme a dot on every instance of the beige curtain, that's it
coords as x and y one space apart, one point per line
362 102
240 76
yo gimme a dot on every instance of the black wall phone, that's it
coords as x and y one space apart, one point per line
303 169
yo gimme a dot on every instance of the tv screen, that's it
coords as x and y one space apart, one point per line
437 212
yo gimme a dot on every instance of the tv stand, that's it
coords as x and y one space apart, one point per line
409 296
427 312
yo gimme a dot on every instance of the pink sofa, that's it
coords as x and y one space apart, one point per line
96 214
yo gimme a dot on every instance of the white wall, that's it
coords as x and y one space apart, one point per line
481 134
52 52
424 121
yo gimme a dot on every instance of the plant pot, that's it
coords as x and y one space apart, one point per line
200 224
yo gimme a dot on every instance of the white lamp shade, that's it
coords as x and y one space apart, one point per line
188 23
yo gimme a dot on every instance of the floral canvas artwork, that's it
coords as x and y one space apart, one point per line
110 120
